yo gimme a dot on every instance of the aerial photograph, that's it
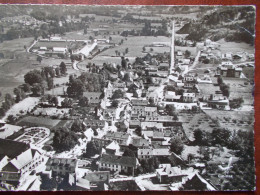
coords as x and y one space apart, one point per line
127 98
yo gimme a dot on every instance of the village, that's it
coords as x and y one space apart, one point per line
124 102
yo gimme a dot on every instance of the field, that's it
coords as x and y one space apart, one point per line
193 121
235 47
240 88
51 44
32 121
233 120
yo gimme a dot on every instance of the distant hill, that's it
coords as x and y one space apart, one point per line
236 23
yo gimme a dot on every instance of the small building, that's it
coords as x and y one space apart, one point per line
170 96
122 138
146 153
139 102
94 123
17 160
227 69
168 174
188 97
121 164
93 97
61 166
140 142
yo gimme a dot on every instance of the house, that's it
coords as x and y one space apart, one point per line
121 164
93 181
61 166
94 123
146 153
134 123
140 142
113 148
139 102
109 113
195 181
61 50
168 174
17 160
122 138
218 101
152 124
93 97
227 69
170 96
188 97
101 142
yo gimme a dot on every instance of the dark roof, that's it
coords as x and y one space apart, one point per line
119 160
138 142
12 148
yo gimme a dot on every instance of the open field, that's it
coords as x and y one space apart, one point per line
16 45
235 47
32 121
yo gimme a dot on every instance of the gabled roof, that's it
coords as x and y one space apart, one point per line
119 160
113 146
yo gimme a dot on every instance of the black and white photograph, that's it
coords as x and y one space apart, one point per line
127 98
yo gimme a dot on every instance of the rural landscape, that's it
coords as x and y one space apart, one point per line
127 98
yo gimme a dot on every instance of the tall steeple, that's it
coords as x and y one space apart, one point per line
172 65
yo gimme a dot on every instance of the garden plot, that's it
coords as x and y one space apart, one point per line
34 135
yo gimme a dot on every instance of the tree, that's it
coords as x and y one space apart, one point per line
144 49
115 103
64 139
77 126
54 100
151 49
66 103
123 63
83 101
128 152
126 77
138 131
126 50
198 136
57 71
63 68
37 89
50 83
220 80
11 119
32 77
118 94
47 183
187 54
236 103
39 59
170 110
177 145
91 150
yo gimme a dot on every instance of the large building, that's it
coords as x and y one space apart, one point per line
17 159
227 69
